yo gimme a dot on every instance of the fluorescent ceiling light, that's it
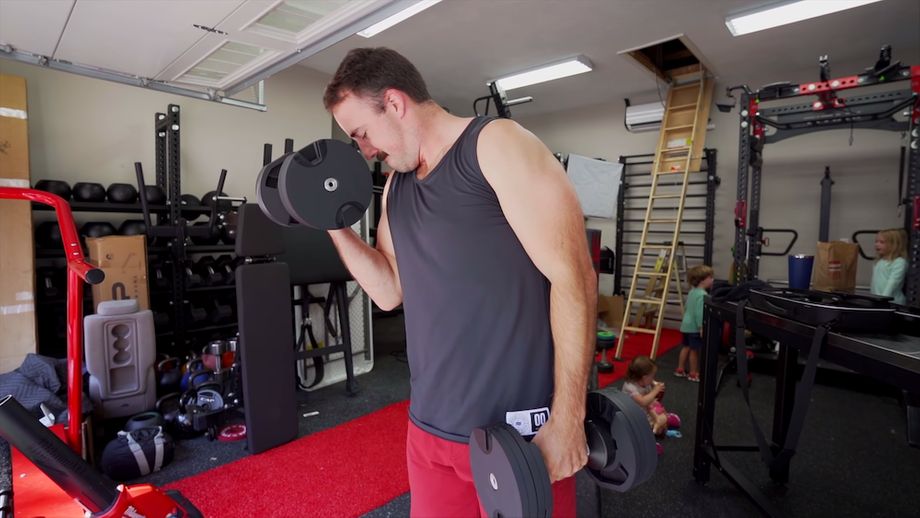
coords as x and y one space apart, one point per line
570 67
398 17
785 13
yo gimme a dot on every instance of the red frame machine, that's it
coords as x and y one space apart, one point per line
65 464
829 111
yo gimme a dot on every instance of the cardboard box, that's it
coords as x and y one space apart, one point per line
610 310
124 261
17 258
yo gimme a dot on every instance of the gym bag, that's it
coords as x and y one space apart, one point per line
138 453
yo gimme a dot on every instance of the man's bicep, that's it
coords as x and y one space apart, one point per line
535 195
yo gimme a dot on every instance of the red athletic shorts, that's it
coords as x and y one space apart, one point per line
441 482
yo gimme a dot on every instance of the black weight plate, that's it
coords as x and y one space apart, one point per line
635 457
625 464
326 185
522 466
269 196
630 426
540 476
493 463
634 422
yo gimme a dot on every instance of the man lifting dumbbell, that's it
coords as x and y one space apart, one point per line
325 185
481 238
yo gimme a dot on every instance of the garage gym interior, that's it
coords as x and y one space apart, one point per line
239 279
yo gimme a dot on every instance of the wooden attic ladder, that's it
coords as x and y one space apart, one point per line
679 151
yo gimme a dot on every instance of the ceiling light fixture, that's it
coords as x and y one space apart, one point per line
396 18
569 67
786 13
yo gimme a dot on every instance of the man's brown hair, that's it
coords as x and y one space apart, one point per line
368 72
698 273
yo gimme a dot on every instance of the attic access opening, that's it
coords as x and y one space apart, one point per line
671 60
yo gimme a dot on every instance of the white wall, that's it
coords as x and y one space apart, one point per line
863 197
83 129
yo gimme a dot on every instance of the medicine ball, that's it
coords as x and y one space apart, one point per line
190 201
211 238
155 195
88 191
121 193
208 199
97 229
48 235
57 187
132 227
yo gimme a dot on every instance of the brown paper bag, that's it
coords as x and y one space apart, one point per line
835 267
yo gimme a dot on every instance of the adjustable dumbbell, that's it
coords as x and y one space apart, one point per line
510 475
326 185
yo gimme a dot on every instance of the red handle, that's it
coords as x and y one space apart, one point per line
78 270
741 214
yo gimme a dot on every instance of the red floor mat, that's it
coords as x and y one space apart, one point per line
343 471
639 344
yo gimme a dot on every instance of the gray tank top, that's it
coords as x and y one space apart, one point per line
476 307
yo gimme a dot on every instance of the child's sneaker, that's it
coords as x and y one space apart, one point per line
659 449
693 377
673 421
680 373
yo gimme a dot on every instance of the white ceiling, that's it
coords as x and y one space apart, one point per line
459 45
196 45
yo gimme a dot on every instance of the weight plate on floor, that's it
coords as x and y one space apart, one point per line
326 185
268 195
621 426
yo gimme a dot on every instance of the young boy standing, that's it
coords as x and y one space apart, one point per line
700 279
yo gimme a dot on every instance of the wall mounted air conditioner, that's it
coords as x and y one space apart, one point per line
644 117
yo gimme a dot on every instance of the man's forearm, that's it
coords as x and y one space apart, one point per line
369 267
573 316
